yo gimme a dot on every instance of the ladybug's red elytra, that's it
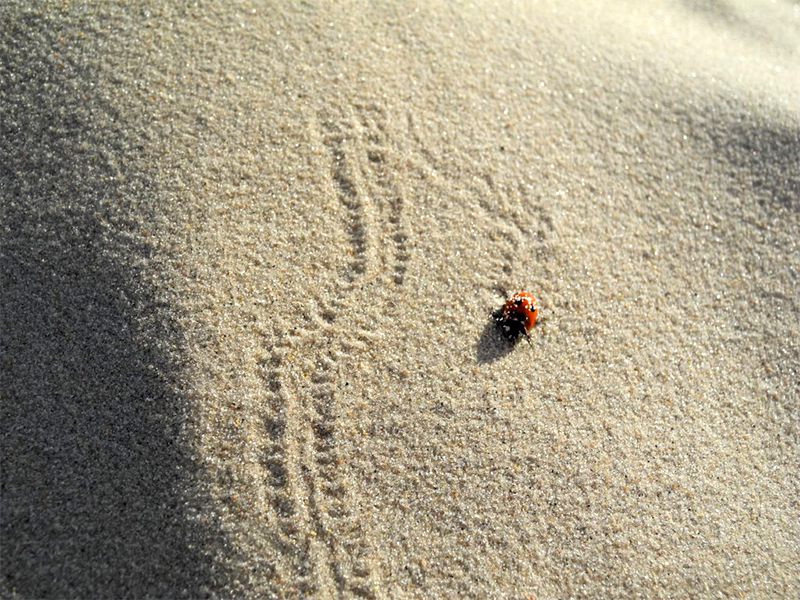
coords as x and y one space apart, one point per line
517 316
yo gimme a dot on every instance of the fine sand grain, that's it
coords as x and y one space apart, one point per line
248 253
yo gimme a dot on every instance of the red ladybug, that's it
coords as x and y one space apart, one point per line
517 316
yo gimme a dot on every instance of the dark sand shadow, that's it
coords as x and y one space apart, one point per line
723 13
491 345
96 478
767 155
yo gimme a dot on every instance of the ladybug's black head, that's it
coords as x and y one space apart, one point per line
511 326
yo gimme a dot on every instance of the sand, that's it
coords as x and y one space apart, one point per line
249 252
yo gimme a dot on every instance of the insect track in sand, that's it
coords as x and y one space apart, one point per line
279 462
322 546
328 551
385 187
326 489
521 225
339 138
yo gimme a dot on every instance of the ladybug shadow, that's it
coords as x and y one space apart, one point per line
491 345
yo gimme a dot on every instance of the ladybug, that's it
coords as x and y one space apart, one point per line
517 316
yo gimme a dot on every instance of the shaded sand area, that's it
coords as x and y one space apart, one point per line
248 252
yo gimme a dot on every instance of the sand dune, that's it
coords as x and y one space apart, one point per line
249 252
